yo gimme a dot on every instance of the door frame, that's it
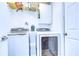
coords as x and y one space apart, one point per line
64 26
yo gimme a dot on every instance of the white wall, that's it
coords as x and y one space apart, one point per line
19 18
4 17
58 24
12 19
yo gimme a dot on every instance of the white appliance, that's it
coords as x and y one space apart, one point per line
18 45
54 44
45 14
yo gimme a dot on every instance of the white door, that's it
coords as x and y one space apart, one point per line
18 45
72 29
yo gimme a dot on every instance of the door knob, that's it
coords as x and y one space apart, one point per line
4 38
65 34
